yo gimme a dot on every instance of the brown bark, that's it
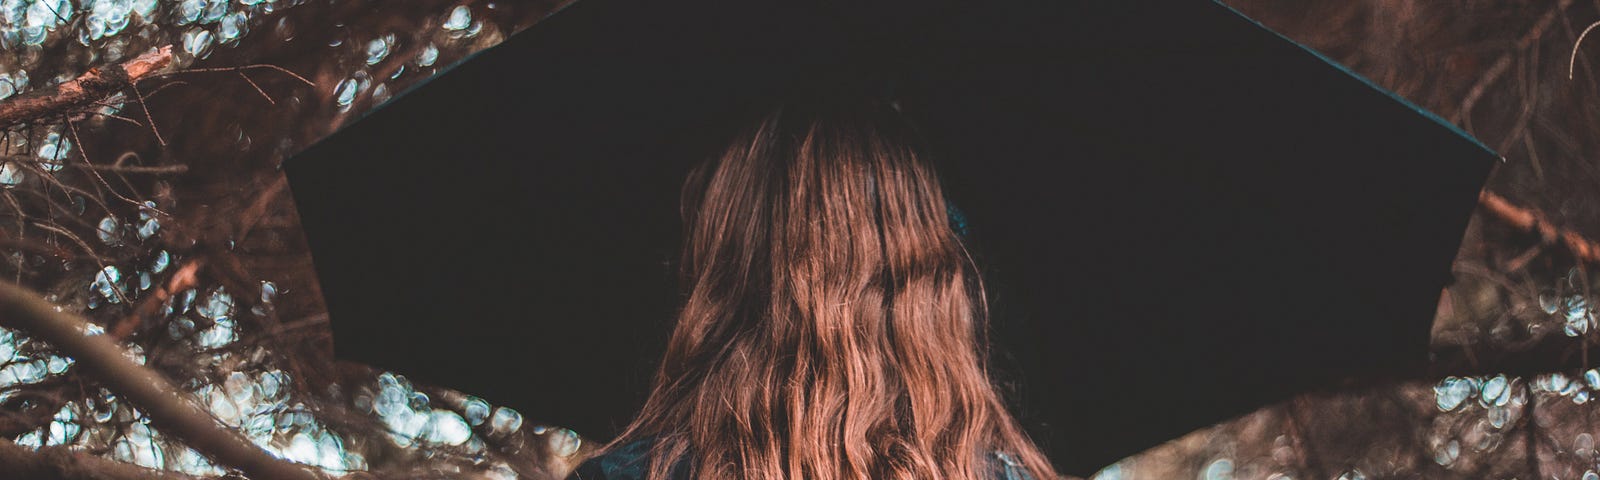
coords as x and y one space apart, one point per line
83 91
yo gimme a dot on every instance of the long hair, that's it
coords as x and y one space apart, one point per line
834 326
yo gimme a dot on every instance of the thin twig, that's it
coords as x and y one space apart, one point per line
1572 61
1504 62
258 208
164 86
148 118
22 222
84 153
318 320
87 250
236 69
1520 126
257 87
116 117
54 206
64 187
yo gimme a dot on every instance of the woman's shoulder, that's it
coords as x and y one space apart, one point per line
627 462
1008 467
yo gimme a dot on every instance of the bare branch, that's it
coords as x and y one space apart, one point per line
1464 113
257 87
87 250
1582 248
184 279
1572 61
83 91
149 169
166 406
145 106
96 174
258 208
240 68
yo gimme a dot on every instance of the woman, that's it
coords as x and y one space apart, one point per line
834 326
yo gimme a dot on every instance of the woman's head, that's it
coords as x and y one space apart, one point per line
834 326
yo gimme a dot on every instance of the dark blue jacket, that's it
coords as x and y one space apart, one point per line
629 463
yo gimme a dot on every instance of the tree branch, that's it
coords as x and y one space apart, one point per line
1584 249
183 279
64 464
169 409
83 91
1463 114
149 169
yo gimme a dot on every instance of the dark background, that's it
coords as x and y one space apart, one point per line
1183 216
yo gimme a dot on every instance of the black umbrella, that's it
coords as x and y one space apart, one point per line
1183 216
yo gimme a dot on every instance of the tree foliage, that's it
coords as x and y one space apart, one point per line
147 201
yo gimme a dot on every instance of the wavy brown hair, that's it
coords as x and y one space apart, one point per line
834 326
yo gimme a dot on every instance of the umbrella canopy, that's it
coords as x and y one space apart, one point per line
1183 216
